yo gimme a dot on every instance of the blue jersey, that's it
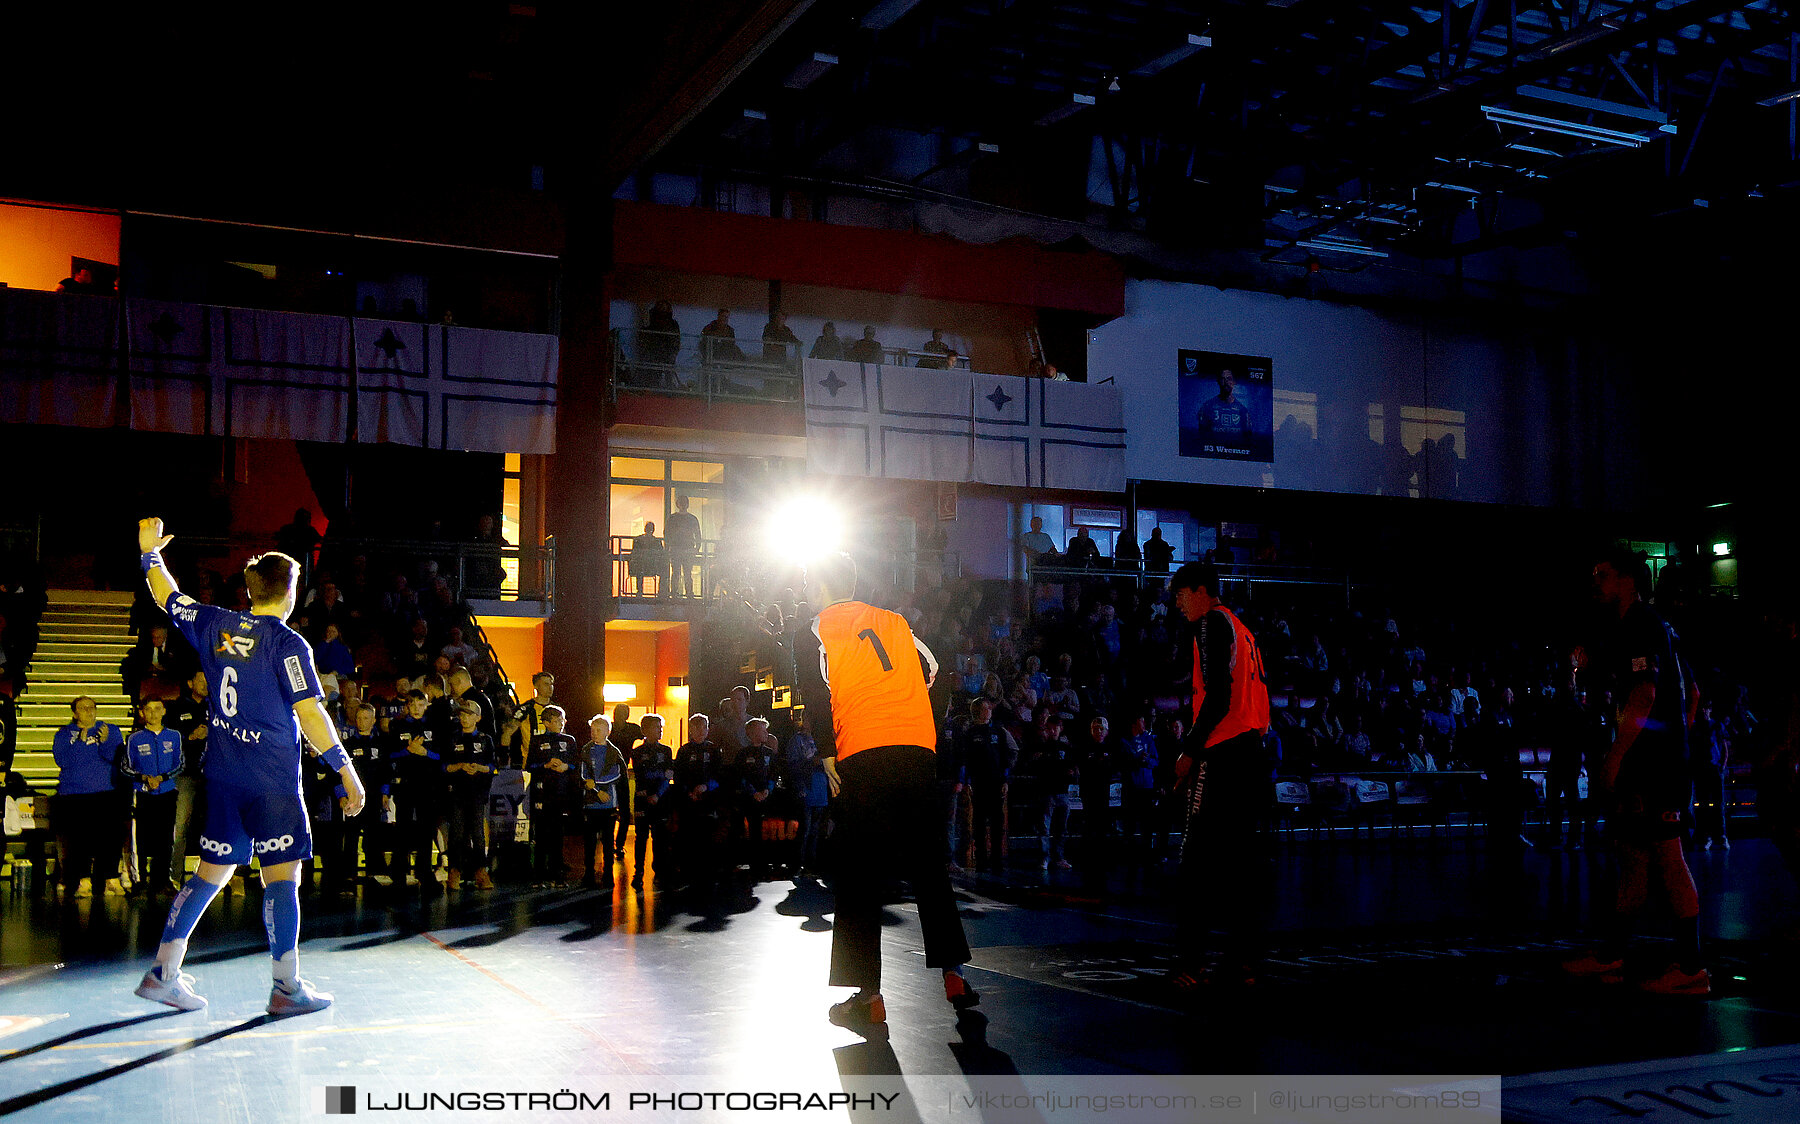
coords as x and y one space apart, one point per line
153 753
257 668
1225 418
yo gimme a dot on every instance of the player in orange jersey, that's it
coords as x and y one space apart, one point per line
872 719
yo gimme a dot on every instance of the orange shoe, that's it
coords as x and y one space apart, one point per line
453 880
482 881
1591 964
958 991
1674 981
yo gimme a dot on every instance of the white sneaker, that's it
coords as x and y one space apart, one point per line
113 889
300 999
178 993
85 888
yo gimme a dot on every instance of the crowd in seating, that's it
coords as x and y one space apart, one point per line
659 342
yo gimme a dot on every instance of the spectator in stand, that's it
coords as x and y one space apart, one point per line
333 655
1157 552
1063 699
827 346
867 349
557 795
414 656
469 765
682 538
1035 676
485 573
780 344
326 606
299 540
89 814
1083 551
153 759
938 354
400 604
1037 543
458 651
82 281
156 666
719 344
659 341
601 767
343 707
1127 555
648 559
1137 795
653 770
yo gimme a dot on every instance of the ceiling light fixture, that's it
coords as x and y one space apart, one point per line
1501 115
1335 246
1594 29
810 71
1075 104
887 13
1194 45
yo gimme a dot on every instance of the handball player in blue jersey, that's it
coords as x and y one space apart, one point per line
1225 416
264 695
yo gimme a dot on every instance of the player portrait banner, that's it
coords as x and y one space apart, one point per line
1227 406
960 427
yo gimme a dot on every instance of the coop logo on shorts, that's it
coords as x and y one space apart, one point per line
334 1100
265 846
214 846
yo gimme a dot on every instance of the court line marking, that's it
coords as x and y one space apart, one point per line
372 1029
599 1040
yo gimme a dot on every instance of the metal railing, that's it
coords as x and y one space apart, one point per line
700 366
483 571
1139 573
711 571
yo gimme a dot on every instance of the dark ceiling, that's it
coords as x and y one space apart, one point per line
1268 123
1238 124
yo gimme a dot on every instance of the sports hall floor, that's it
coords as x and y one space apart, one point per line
1390 957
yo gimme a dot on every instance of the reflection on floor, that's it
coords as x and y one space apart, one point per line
1390 957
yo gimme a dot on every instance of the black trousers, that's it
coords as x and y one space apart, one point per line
93 826
1226 877
155 835
890 824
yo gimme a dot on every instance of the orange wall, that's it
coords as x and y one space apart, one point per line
519 642
672 660
36 243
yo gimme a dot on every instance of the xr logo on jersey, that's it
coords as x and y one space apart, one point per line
230 645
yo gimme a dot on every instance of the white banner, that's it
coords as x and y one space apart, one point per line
908 423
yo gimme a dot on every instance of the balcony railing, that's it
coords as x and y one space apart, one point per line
711 573
696 366
1136 571
475 570
701 366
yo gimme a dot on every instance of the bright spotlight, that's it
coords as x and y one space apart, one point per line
804 528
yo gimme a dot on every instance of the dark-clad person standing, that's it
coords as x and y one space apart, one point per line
866 689
699 819
1221 776
988 754
1644 780
653 773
